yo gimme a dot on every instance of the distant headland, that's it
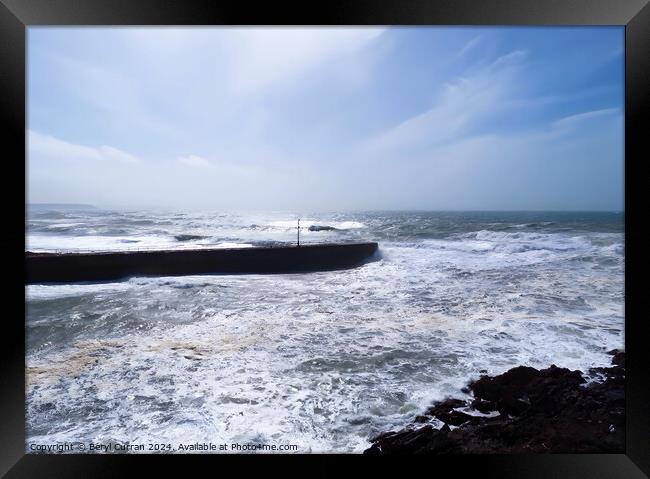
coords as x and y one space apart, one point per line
61 206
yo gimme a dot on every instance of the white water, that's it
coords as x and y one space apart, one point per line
322 360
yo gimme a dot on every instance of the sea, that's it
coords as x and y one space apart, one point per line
323 361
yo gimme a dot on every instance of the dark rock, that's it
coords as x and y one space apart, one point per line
542 411
512 406
188 237
423 440
619 357
321 228
445 406
445 411
483 406
455 418
382 436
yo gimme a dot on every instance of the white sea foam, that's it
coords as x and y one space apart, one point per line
63 225
321 360
41 242
342 225
233 245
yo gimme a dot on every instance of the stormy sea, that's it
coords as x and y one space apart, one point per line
322 361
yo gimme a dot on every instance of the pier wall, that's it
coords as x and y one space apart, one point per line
78 267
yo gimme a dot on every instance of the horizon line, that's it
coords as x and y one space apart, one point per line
359 210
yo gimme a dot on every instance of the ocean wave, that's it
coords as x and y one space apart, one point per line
525 241
233 245
327 359
58 226
342 225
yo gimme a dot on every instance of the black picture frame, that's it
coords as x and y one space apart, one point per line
17 15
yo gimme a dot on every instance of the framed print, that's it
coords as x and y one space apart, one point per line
408 229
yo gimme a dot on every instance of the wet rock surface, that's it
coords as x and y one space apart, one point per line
321 228
188 237
524 410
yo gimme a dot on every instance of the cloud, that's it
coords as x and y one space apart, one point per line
263 57
113 154
580 118
451 156
195 161
45 147
294 116
178 86
463 103
573 165
113 90
469 45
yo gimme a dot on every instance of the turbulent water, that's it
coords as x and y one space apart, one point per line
321 360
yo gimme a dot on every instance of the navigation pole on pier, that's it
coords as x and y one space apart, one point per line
298 231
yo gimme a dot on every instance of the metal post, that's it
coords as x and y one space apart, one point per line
298 231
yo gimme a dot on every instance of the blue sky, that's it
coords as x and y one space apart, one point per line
327 118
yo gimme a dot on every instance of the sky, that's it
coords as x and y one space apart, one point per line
327 118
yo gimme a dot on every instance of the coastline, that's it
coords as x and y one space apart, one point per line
523 410
337 357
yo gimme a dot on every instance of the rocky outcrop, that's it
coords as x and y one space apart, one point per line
188 237
524 410
321 228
